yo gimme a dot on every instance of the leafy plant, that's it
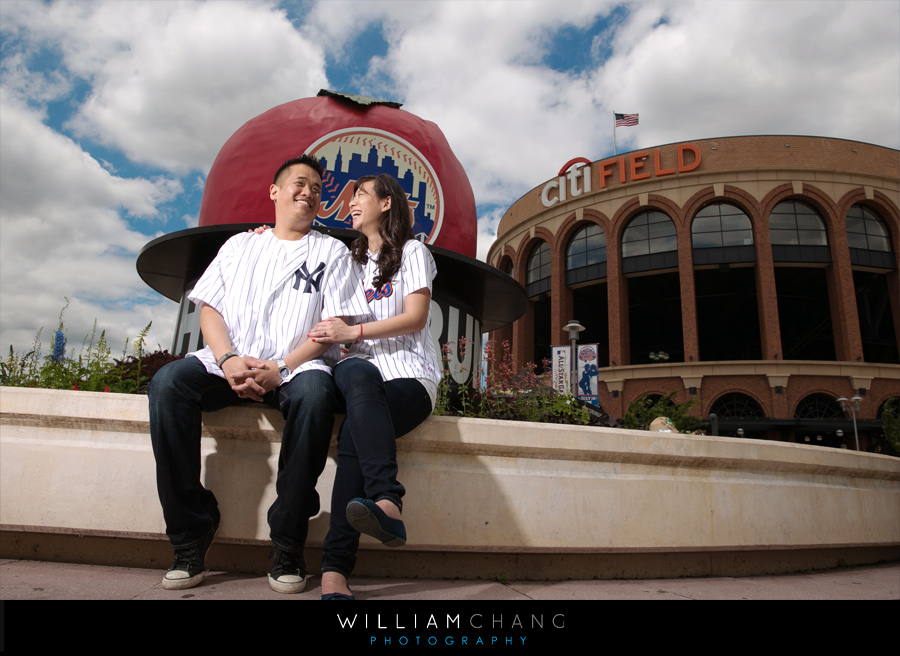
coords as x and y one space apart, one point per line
646 408
92 370
509 392
17 370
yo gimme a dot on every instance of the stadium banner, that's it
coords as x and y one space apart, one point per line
561 367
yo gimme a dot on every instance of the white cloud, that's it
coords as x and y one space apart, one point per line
474 68
487 232
171 81
62 234
38 86
691 69
168 83
734 68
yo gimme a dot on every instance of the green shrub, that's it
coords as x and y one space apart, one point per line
646 408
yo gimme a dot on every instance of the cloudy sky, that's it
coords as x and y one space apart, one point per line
111 113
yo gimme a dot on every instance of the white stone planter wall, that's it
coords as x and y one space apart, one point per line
80 463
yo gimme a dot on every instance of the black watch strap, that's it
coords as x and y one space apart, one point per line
221 361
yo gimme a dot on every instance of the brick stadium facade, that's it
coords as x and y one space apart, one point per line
765 267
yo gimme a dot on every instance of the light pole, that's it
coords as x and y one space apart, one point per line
573 328
853 406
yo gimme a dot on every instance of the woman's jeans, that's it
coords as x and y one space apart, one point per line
180 392
378 412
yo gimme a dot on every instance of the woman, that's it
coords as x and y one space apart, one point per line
389 379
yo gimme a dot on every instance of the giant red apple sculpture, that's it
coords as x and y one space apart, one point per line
352 137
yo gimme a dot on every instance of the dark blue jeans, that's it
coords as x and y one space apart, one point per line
180 392
378 412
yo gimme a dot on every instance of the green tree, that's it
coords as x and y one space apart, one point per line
890 419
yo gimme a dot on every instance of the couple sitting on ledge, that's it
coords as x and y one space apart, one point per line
275 306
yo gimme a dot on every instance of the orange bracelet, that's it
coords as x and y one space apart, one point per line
360 335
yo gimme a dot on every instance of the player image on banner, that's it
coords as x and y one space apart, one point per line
561 367
587 373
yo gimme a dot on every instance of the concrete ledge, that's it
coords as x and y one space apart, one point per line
484 498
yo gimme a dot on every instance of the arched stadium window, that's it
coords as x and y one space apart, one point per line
537 270
649 243
586 255
507 267
818 406
793 223
872 257
866 230
720 225
868 239
798 234
736 405
649 233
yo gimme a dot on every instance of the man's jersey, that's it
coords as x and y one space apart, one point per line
271 292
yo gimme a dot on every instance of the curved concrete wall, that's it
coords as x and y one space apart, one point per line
80 463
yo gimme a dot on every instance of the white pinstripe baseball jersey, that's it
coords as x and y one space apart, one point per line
407 356
271 292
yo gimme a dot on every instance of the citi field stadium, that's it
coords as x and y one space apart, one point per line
755 275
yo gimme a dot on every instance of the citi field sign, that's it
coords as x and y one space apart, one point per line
352 153
576 180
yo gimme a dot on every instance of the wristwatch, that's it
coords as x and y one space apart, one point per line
283 370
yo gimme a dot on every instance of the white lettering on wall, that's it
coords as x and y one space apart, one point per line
545 194
572 177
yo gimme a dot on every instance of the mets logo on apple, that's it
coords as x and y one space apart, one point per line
351 153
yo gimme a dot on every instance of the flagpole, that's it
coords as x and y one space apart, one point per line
627 121
614 135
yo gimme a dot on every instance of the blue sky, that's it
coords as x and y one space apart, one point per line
111 113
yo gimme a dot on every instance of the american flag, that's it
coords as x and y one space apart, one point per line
624 120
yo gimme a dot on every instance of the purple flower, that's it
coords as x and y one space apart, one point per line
59 347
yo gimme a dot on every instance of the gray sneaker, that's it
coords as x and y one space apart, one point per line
288 572
189 566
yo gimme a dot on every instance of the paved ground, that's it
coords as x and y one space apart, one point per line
21 579
411 615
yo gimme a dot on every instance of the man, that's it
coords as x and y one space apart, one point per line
259 299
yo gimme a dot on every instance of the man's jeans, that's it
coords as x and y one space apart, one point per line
378 413
180 392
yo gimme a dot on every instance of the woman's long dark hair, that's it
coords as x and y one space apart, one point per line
395 228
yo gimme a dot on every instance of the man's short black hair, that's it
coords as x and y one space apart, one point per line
308 160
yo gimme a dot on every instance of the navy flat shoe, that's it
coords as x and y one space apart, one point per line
366 517
337 596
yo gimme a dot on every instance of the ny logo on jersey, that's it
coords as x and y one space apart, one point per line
312 279
386 290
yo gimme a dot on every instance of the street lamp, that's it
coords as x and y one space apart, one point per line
573 328
853 406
